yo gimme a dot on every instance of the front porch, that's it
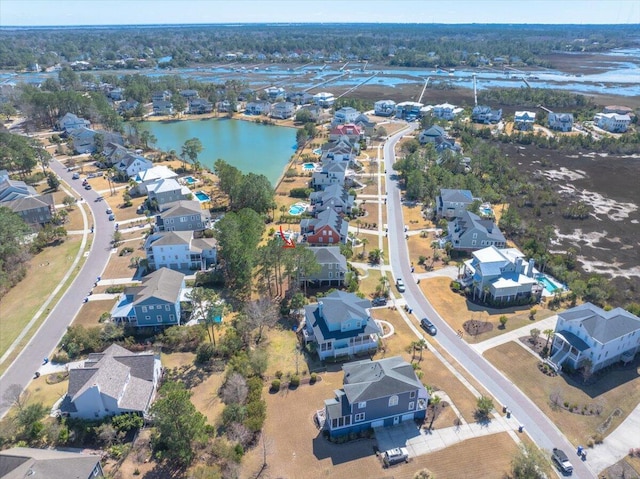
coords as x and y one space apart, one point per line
568 347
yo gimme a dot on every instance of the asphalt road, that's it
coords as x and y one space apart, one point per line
545 434
48 336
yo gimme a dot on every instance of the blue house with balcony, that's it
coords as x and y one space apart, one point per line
374 394
340 325
156 302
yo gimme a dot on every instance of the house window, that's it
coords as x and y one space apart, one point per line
473 243
330 275
171 317
359 417
393 400
475 235
412 394
147 318
151 307
411 405
167 307
159 318
330 265
144 309
362 404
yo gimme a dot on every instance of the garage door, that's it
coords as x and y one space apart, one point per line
407 417
377 423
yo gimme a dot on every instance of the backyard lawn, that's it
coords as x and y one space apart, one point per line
616 389
413 217
90 312
455 310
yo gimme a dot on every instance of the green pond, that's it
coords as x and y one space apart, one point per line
250 147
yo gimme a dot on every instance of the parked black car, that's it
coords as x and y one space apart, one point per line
428 326
561 459
379 301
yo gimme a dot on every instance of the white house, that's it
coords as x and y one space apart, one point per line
324 99
384 107
503 274
180 251
446 111
588 332
133 164
612 122
524 120
345 115
113 382
561 121
151 175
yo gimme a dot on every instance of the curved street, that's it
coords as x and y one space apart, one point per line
539 427
47 337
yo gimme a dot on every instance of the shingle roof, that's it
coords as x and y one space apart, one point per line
21 462
601 325
181 208
172 238
456 196
164 284
367 380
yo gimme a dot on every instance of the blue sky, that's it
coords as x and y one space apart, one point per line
113 12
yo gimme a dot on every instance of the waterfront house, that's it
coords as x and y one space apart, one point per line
341 150
452 203
619 109
334 196
113 382
524 120
374 394
300 98
384 108
469 232
132 164
257 108
501 274
162 107
180 251
128 106
283 110
333 172
275 93
560 121
165 191
326 229
485 114
409 110
155 302
333 267
25 462
199 106
189 94
612 122
70 122
588 332
161 96
340 324
183 215
150 176
446 111
85 140
324 99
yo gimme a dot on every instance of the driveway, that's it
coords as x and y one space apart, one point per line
543 432
47 337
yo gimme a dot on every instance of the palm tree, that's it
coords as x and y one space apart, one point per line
283 210
549 334
358 226
384 284
364 242
435 405
422 345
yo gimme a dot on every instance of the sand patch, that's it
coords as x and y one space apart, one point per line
564 174
614 210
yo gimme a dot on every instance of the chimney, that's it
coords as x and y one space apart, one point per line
320 308
519 268
530 270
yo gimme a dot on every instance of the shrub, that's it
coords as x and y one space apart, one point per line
115 289
275 385
294 382
590 442
598 438
279 374
300 192
126 250
455 286
313 378
205 353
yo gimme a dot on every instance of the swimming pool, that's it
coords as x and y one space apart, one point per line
318 151
202 196
549 285
309 166
297 209
190 180
486 211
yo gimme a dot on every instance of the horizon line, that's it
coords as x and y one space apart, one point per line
105 25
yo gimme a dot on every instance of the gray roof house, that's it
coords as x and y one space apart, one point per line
70 122
344 115
384 108
156 302
374 394
199 106
180 251
183 215
340 325
485 114
257 108
283 110
334 196
452 203
167 190
14 189
24 462
469 232
113 382
327 228
524 120
341 150
34 210
333 266
588 332
561 121
333 172
84 139
162 107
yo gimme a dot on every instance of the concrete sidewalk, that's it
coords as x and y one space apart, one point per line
547 323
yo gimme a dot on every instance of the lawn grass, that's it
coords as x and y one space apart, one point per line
615 389
90 312
39 391
413 217
368 285
44 273
205 397
176 360
75 221
281 345
455 310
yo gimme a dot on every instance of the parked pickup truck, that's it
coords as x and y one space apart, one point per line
561 459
